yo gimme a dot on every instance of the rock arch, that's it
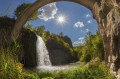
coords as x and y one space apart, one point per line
39 3
107 14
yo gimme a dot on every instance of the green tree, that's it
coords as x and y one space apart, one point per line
29 26
61 34
20 9
93 48
40 30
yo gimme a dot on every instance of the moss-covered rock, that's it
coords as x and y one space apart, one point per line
67 40
59 51
29 45
6 26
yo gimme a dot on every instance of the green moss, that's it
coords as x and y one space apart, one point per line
29 45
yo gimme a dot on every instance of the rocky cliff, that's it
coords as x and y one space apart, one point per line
59 54
67 40
6 26
107 14
28 41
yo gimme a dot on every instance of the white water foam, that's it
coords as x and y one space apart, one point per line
42 53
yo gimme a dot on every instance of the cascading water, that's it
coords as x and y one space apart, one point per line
43 61
42 53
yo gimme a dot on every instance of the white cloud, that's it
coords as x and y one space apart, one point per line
48 11
77 43
81 38
79 24
89 21
88 15
87 30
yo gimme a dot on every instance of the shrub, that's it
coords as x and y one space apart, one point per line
78 73
31 76
48 78
92 48
10 68
44 74
99 71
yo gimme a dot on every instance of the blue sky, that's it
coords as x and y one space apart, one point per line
78 19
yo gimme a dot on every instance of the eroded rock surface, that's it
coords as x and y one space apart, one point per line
107 14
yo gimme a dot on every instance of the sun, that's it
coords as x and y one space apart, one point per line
60 19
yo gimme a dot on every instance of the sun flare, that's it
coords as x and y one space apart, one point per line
60 19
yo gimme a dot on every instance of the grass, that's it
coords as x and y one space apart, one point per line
10 68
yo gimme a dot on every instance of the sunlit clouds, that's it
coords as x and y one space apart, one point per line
89 21
87 30
48 11
79 24
80 41
71 21
88 15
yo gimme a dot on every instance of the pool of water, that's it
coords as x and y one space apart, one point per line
59 68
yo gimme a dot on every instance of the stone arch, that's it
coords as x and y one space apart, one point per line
39 3
107 14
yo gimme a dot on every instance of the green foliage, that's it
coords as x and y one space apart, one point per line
56 39
93 48
96 70
10 68
31 76
79 73
20 9
39 30
60 44
29 26
61 34
48 78
44 74
99 70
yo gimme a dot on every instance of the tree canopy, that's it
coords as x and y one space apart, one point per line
20 9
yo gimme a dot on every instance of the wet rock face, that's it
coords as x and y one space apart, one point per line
28 39
58 55
107 15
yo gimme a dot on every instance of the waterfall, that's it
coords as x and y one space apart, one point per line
42 53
